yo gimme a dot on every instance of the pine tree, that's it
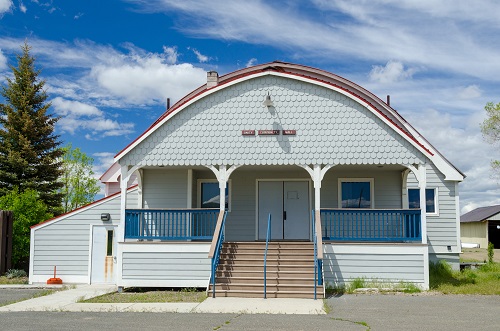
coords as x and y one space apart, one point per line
29 149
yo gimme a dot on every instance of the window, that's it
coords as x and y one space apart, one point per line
356 192
430 200
209 192
109 246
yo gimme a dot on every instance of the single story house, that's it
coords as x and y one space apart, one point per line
273 180
480 226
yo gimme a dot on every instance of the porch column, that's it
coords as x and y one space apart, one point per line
222 175
317 175
421 176
404 191
123 204
139 187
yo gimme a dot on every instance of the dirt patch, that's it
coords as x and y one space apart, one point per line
478 255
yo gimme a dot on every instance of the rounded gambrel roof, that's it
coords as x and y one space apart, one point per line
317 77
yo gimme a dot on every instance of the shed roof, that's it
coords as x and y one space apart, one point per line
480 214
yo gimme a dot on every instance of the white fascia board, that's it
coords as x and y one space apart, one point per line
77 211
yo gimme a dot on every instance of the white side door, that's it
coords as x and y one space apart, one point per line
104 249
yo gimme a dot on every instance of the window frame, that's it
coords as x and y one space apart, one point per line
371 181
436 199
200 183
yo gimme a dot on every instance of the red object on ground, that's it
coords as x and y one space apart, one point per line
54 280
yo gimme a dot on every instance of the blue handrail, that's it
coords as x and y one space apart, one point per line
315 255
265 254
218 249
318 263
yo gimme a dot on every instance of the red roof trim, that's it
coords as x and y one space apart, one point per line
281 70
82 207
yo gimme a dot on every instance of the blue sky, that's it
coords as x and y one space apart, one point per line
110 65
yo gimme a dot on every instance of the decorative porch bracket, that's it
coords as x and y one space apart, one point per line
222 174
317 173
421 175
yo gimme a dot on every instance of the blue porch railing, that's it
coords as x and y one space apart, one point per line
395 225
170 224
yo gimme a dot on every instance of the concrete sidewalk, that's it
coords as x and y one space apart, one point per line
67 300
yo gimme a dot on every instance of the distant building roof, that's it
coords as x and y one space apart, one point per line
480 214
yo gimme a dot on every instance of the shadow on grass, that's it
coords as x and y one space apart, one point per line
441 273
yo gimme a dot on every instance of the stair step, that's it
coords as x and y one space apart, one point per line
269 294
289 271
270 280
260 287
270 268
260 261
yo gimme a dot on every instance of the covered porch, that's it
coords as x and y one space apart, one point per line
355 203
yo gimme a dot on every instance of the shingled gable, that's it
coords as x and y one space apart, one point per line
321 78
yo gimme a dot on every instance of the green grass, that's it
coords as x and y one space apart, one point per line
139 295
484 280
17 280
357 283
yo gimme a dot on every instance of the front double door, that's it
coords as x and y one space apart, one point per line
288 204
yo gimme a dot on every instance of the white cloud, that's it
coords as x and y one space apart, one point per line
467 150
251 62
74 108
102 162
77 16
201 58
77 116
392 72
22 7
109 77
440 35
170 54
470 92
5 6
3 60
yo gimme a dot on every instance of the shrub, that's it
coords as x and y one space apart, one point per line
15 273
28 210
491 252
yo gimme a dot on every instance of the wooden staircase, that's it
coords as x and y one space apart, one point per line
290 270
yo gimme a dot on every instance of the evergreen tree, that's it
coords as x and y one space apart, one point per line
29 149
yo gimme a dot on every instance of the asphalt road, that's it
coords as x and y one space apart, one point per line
13 295
348 312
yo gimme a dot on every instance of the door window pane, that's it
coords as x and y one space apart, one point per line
109 246
356 195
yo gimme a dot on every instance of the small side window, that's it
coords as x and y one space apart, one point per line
109 246
430 200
